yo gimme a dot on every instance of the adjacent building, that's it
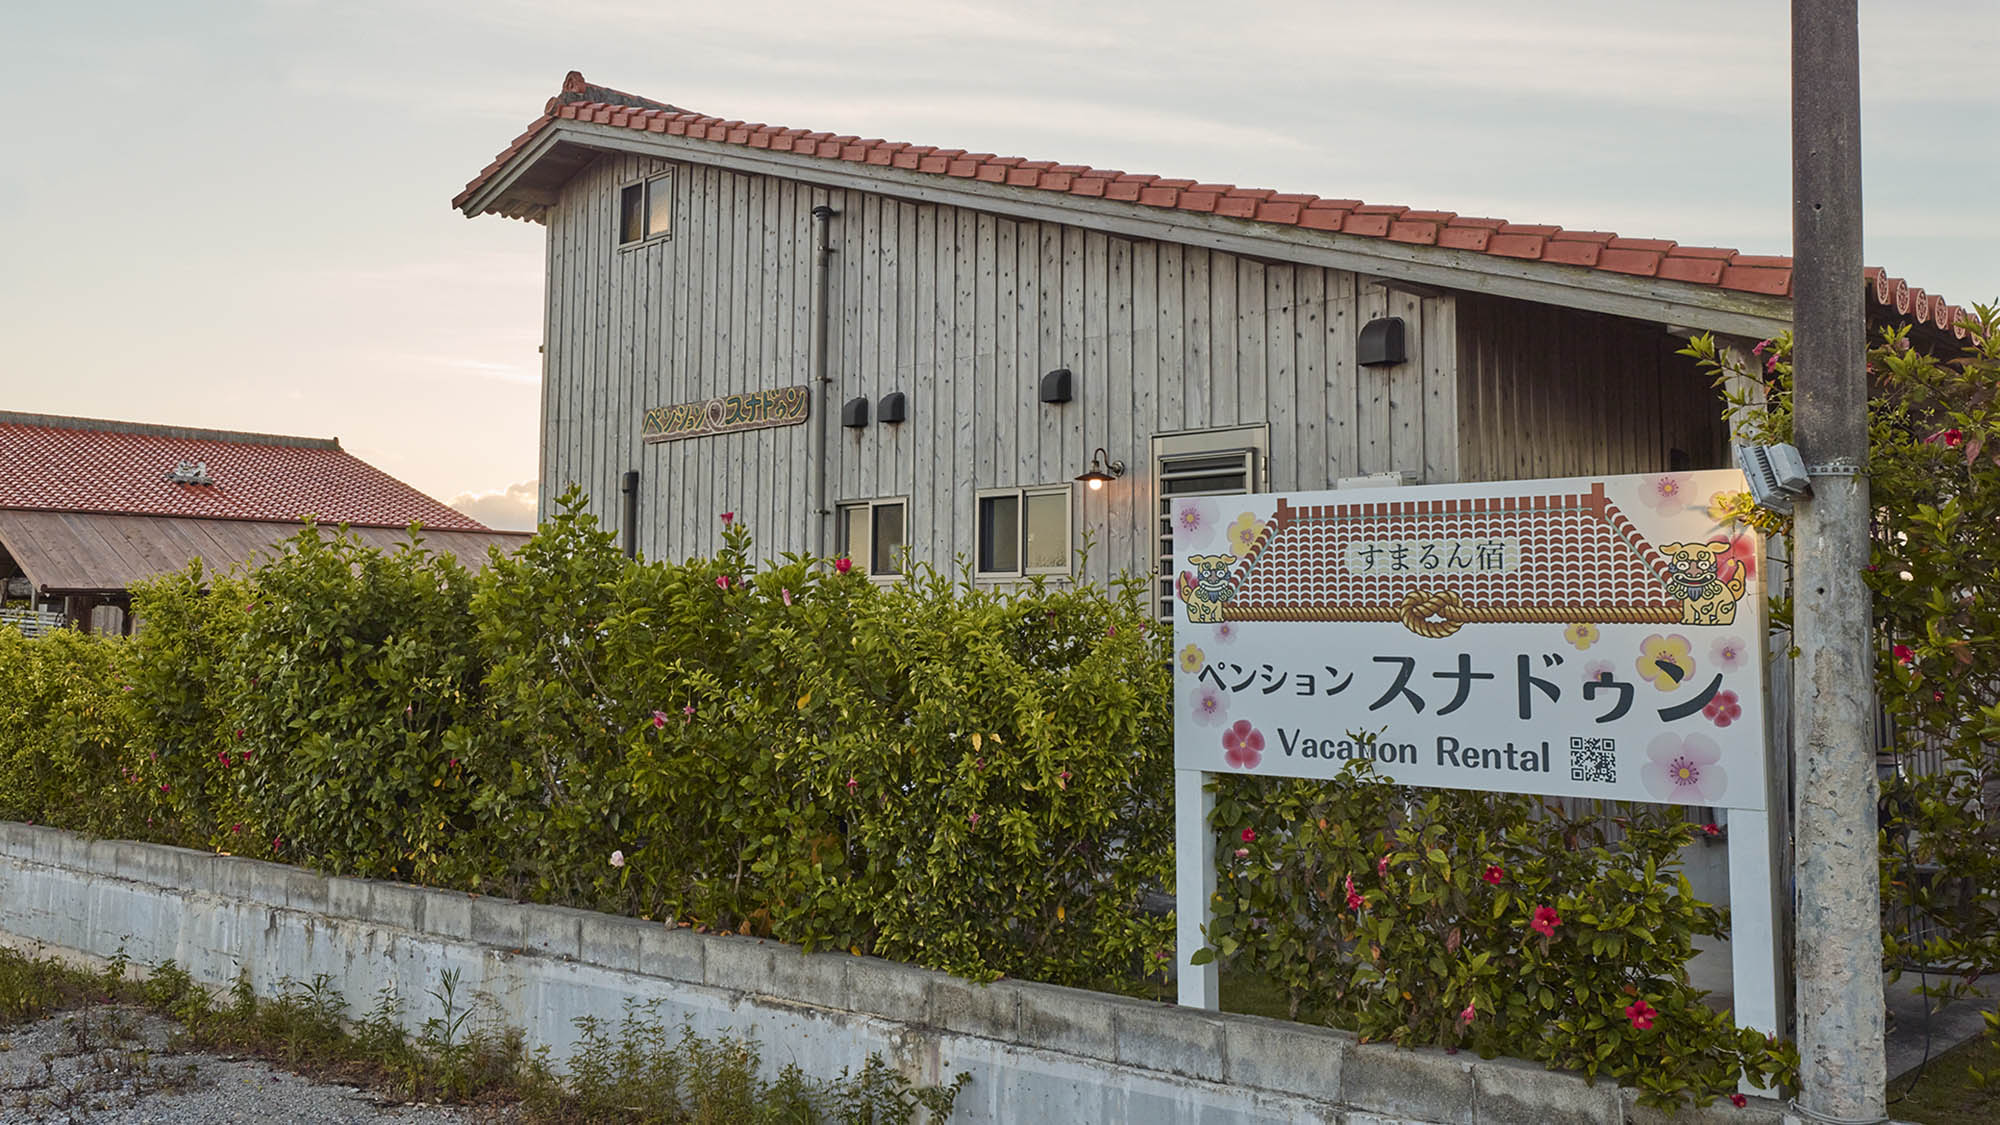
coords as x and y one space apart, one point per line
89 507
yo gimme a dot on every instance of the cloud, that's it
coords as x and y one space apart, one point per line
510 509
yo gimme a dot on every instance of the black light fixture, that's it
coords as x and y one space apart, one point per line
1381 343
1102 468
893 408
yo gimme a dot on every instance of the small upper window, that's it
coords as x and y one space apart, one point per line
1024 531
871 534
646 209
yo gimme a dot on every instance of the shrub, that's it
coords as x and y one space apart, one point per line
1496 922
65 732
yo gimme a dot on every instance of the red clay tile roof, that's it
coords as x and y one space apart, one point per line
1601 250
85 465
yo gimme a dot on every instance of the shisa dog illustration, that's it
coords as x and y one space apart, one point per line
1204 589
1694 576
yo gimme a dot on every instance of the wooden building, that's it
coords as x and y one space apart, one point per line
87 508
865 347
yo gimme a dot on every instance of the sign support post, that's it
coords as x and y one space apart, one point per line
1194 888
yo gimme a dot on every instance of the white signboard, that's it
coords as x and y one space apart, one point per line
1591 637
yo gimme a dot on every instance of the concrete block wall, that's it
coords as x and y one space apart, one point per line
1035 1052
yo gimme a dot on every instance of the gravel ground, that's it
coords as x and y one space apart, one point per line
115 1065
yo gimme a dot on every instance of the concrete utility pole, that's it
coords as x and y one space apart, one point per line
1839 940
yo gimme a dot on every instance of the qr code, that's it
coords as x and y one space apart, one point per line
1593 759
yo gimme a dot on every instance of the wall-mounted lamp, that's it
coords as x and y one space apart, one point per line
1381 343
1102 468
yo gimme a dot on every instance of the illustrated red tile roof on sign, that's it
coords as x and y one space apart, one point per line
1717 267
86 465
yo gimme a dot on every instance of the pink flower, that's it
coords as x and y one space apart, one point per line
852 785
1770 363
1382 867
1249 835
1062 780
722 581
1112 631
165 788
1759 349
1723 710
843 565
785 595
1545 921
1354 899
1189 517
1953 438
1667 492
1467 1015
223 758
1903 654
1210 705
277 842
1641 1014
618 859
729 517
1743 553
239 734
1494 873
1685 771
236 829
1242 853
1730 653
688 711
1242 745
659 719
1712 829
1738 1100
974 818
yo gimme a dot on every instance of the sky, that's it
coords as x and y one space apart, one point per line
237 215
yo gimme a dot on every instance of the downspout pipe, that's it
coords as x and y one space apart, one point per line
631 520
822 380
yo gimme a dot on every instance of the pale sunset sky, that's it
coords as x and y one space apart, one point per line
236 215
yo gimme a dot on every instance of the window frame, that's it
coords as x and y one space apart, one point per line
645 186
1021 494
872 505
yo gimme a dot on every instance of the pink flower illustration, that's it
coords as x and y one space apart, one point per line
1743 553
1667 493
1685 770
1723 710
1730 653
1243 745
1189 517
1210 705
1225 632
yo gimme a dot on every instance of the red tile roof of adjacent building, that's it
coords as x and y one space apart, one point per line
1600 250
87 465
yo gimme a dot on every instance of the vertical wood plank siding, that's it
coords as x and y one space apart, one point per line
963 312
1551 392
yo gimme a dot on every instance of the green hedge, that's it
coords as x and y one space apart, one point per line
925 771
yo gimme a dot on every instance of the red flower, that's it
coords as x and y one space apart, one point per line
1954 438
164 787
659 719
1712 829
1738 1100
235 828
1903 654
722 581
1382 867
852 785
1641 1014
1354 899
1243 745
1494 873
1724 709
843 565
1249 835
729 517
223 758
239 734
1545 921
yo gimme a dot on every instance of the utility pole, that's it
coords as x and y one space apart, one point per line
1839 939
